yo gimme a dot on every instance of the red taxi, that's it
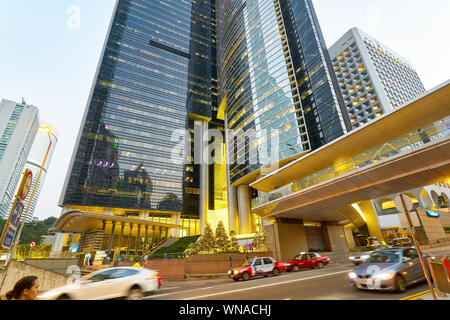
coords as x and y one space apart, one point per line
307 260
257 267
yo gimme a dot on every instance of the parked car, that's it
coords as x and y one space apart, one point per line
390 269
360 258
257 267
401 242
123 282
307 260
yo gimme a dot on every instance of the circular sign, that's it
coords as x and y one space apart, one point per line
26 186
32 244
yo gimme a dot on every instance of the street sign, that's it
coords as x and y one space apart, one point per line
26 185
8 238
406 200
32 244
433 214
16 213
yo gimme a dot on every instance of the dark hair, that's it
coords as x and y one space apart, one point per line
22 284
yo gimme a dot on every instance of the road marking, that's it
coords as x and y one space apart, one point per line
266 285
417 295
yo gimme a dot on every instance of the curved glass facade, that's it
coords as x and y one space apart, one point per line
257 76
156 68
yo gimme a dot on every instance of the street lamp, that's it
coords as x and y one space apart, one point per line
47 130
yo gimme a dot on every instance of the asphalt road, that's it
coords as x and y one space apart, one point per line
329 283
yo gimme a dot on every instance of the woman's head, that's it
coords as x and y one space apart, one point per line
25 289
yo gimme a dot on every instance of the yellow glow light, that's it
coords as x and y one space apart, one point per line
46 129
358 209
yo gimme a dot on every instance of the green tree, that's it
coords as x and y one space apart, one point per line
207 242
259 243
222 240
234 245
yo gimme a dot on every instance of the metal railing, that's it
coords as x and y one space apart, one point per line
402 144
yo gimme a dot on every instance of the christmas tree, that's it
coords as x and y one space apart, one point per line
222 240
207 242
234 245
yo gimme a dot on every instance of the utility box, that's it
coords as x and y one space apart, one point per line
441 275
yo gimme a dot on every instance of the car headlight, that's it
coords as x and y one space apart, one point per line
48 294
352 275
352 258
364 257
229 272
383 276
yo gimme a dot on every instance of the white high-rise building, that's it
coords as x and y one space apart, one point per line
36 159
373 79
19 124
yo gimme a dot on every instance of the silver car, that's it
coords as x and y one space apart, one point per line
359 258
389 269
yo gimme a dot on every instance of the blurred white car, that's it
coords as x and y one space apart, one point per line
123 282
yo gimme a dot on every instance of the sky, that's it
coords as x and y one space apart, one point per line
50 51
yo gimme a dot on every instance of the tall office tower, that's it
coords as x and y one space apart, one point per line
156 76
373 79
19 123
35 160
277 89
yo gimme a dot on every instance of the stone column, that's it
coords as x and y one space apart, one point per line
200 157
286 238
129 238
334 236
245 220
137 238
111 239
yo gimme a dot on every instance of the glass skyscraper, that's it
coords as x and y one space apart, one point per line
155 75
230 65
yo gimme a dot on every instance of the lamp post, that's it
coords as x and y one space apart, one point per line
48 130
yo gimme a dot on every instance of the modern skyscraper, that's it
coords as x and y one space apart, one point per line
19 123
156 76
373 79
278 89
35 160
198 67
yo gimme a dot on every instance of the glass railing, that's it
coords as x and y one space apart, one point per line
404 143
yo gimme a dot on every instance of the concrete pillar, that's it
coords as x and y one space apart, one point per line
371 215
201 158
58 244
111 238
146 238
129 238
232 192
121 234
233 218
176 220
286 238
349 237
245 219
137 238
334 236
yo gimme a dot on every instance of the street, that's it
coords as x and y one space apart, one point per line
329 283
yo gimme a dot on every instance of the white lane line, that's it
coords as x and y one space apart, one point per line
266 285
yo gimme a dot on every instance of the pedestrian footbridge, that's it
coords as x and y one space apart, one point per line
402 150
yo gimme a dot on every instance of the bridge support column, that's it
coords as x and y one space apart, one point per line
286 238
334 237
245 218
370 213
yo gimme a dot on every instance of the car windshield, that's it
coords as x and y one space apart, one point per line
248 263
383 257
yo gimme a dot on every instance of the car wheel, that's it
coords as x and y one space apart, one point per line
296 268
320 265
246 276
64 297
135 294
236 279
400 284
276 272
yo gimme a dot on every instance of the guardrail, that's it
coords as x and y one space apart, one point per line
402 144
